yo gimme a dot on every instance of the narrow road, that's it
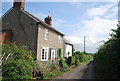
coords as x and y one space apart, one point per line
84 71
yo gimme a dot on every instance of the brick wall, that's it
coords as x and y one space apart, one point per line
5 37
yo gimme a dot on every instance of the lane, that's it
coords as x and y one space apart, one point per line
89 72
84 71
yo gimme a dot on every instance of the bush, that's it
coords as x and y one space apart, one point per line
71 60
53 66
46 69
60 52
19 65
63 65
77 62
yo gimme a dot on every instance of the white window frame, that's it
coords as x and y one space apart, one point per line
46 34
45 51
59 39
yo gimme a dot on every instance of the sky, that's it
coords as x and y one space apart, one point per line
94 20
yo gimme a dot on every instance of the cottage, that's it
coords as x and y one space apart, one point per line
68 48
21 27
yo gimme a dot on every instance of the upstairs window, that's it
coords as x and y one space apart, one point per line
46 34
59 39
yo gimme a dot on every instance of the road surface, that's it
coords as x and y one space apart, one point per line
84 71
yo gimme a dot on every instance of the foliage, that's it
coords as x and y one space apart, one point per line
78 57
46 69
107 58
19 65
63 64
53 66
82 56
71 60
77 62
77 52
60 52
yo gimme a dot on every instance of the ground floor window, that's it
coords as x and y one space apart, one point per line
44 54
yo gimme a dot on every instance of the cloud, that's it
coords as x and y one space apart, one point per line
58 22
102 10
65 0
98 26
96 29
76 4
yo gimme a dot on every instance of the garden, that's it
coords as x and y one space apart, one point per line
18 63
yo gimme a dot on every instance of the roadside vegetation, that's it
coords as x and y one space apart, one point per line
18 63
107 59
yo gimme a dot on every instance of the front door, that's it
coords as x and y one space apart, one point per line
52 54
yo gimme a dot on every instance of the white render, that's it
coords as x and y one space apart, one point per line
68 50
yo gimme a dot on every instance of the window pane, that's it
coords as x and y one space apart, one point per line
42 53
46 34
59 39
45 55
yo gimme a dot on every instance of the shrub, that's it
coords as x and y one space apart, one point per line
77 62
60 52
46 69
71 60
19 65
53 66
63 64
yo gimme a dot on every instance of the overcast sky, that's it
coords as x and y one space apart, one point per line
77 19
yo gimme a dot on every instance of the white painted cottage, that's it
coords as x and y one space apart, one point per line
68 48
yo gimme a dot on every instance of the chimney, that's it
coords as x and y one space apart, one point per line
19 4
48 20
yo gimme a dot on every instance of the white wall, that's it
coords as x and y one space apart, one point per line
68 49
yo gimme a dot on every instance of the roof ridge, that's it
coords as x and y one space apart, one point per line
39 20
7 12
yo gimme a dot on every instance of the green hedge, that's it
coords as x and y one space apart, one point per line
19 65
107 59
71 60
78 57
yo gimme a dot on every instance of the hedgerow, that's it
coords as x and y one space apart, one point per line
107 62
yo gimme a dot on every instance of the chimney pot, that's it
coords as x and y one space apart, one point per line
48 20
19 4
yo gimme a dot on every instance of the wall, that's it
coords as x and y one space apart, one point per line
68 48
5 37
24 29
52 41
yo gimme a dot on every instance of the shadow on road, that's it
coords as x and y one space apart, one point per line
89 72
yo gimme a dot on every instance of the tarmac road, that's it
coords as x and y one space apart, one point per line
84 71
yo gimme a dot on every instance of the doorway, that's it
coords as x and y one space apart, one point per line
53 54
